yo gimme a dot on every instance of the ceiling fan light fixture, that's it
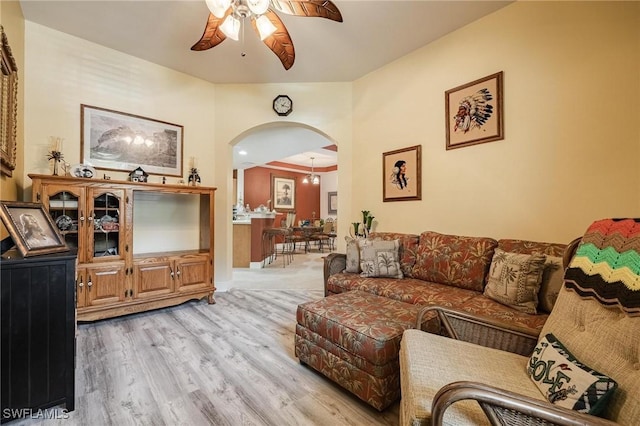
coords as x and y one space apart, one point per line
265 21
218 7
265 27
231 27
258 7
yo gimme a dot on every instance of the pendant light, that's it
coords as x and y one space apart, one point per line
312 177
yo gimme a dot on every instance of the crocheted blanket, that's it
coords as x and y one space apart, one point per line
606 265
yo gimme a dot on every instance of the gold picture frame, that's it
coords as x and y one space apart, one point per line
31 228
8 107
402 174
474 112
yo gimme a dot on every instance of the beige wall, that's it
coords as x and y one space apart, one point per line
571 112
65 72
13 23
572 140
322 107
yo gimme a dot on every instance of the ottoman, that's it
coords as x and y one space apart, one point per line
353 338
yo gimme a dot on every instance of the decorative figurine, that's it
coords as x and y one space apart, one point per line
138 175
194 177
56 153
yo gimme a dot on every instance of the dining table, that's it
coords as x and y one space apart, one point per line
305 233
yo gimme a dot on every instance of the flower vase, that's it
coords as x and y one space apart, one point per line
55 167
356 225
369 222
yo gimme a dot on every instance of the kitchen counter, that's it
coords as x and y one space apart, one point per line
247 238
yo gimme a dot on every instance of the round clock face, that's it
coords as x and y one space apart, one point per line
282 105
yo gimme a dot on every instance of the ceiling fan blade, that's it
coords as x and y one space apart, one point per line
279 42
315 8
212 35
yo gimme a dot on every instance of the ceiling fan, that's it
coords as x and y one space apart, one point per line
227 17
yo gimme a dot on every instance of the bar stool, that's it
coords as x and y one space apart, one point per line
269 248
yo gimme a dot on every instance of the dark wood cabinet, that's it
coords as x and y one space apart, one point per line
37 312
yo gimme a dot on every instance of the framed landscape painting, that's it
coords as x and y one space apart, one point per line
473 112
114 140
283 193
401 174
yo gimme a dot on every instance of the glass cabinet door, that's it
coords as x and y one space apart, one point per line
66 209
106 240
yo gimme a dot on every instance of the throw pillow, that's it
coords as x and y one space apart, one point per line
353 254
565 381
380 259
514 280
453 260
552 280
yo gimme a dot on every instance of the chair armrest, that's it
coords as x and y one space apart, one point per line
461 325
505 407
333 263
570 251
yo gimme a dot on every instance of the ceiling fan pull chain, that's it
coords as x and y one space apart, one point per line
243 53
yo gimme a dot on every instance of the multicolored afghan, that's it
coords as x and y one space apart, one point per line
606 265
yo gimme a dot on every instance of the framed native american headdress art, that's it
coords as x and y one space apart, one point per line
473 112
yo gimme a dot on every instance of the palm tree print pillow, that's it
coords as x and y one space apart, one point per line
380 259
514 280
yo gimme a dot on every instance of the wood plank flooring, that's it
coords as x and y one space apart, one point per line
231 363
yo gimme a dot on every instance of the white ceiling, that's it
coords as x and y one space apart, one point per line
294 145
373 34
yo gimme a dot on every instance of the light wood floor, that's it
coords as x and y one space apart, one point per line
231 363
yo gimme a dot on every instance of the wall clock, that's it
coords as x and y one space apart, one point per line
282 105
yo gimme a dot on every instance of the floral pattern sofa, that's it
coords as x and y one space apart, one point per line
452 271
352 336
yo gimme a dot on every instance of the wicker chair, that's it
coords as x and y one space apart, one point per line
475 372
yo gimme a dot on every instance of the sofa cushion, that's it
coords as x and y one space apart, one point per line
409 290
514 279
531 247
606 340
553 275
379 259
454 260
407 250
565 381
552 280
428 362
482 306
353 254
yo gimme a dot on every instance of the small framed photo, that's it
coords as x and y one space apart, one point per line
31 228
401 174
333 203
473 112
283 193
113 140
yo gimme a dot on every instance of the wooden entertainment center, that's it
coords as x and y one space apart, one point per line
113 278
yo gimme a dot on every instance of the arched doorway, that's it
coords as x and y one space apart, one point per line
283 148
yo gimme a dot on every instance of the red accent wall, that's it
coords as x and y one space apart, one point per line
257 190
